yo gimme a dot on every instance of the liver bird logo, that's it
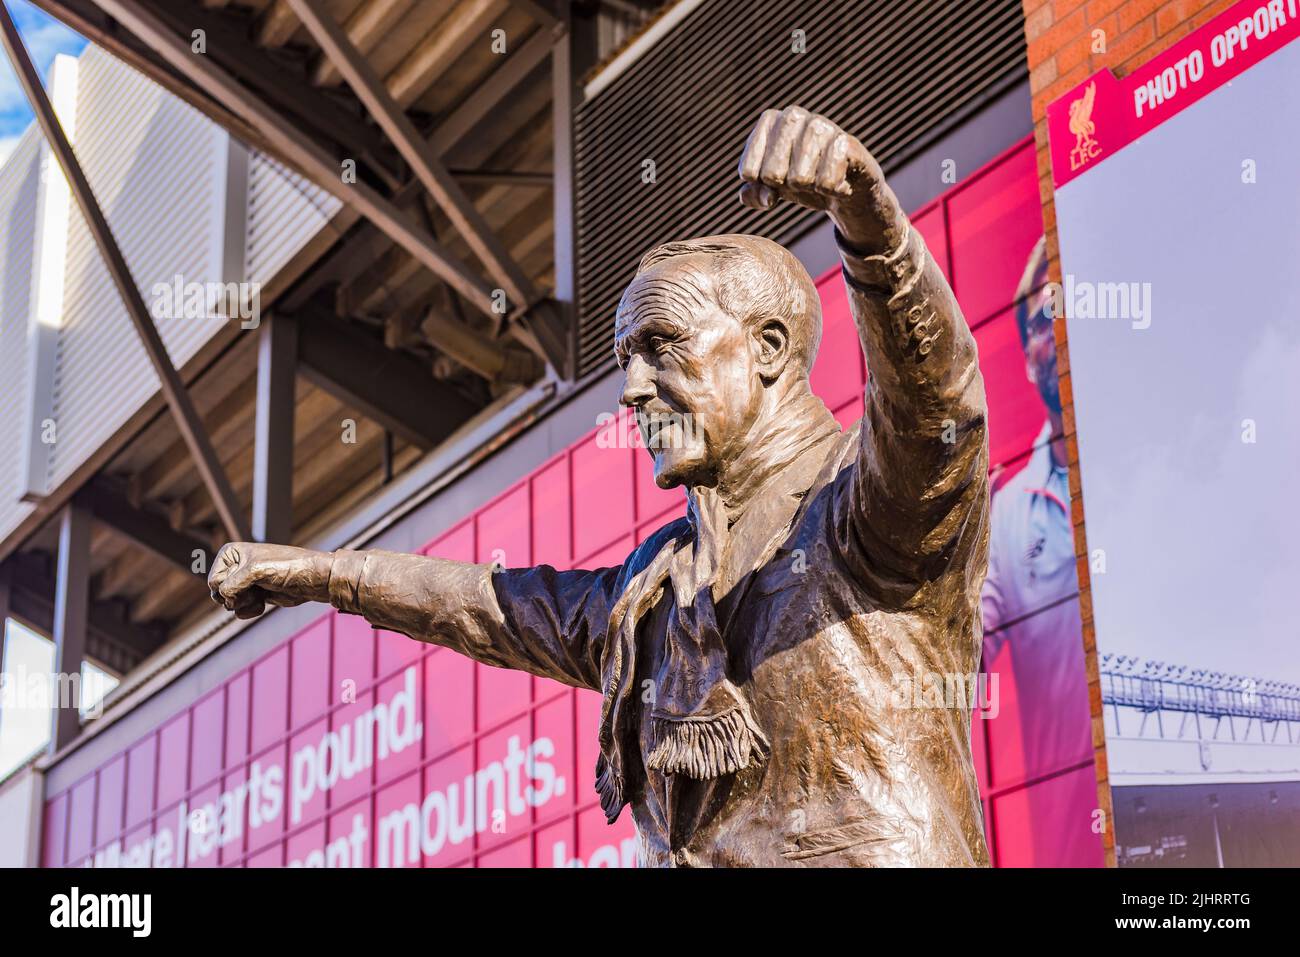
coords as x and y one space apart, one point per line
1083 128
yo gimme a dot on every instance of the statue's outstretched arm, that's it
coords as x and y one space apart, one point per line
538 620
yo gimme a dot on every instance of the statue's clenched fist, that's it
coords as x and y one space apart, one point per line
804 158
247 576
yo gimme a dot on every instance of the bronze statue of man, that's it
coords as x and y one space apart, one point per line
751 655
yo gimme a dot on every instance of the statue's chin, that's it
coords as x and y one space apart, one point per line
675 467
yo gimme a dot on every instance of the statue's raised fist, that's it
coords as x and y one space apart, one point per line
804 158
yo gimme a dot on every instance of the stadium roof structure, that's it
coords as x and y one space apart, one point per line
1172 724
439 291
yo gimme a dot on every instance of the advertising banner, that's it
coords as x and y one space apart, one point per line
1177 206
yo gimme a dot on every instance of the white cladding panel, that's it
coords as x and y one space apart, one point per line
284 212
153 163
19 179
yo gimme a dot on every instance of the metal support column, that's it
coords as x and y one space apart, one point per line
277 364
6 589
71 618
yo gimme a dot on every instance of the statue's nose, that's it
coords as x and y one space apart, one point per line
638 383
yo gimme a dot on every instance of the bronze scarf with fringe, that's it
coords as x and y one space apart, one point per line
703 726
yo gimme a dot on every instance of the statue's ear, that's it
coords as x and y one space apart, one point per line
772 348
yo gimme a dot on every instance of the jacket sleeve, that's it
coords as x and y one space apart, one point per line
917 503
539 620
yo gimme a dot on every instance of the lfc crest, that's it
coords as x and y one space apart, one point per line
1086 147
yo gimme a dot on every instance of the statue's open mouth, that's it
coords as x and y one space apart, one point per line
659 430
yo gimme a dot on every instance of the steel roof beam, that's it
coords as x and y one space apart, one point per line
362 248
146 528
384 109
390 387
296 148
365 28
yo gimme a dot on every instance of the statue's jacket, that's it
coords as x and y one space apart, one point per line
850 618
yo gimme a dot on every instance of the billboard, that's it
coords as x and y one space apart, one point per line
350 747
1177 209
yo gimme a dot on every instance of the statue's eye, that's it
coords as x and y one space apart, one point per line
658 343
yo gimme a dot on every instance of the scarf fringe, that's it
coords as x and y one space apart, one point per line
704 748
609 785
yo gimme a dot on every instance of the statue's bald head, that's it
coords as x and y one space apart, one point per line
718 333
752 279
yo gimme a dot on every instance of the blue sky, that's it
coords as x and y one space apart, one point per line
44 37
